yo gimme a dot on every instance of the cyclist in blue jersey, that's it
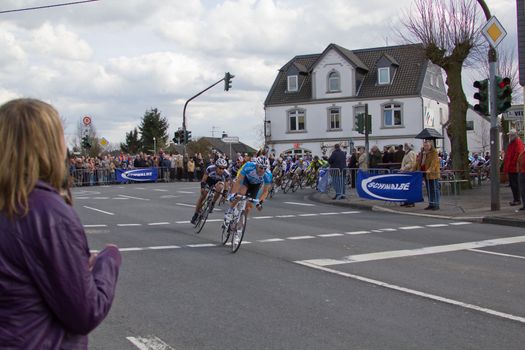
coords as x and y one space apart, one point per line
217 177
250 178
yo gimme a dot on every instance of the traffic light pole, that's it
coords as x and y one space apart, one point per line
366 137
494 134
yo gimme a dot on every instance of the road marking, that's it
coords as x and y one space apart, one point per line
388 229
81 197
262 217
100 197
102 211
350 212
120 198
126 225
186 205
164 247
285 216
376 231
149 343
496 253
416 292
437 225
158 223
300 237
188 192
89 226
303 204
131 197
414 252
159 190
357 232
169 196
130 249
410 227
139 188
331 235
328 213
203 245
460 223
271 240
308 215
183 222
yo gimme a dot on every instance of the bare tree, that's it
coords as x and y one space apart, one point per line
449 31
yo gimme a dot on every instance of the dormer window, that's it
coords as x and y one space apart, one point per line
292 83
383 75
334 82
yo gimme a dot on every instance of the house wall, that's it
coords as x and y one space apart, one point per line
333 61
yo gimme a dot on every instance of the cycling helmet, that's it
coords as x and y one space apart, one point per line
262 162
240 159
221 163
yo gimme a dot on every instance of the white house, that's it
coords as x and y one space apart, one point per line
315 98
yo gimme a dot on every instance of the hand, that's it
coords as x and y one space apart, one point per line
92 260
259 205
231 197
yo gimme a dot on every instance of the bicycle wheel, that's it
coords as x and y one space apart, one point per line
240 228
203 216
225 233
295 185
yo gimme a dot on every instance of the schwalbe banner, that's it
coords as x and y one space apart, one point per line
398 187
140 175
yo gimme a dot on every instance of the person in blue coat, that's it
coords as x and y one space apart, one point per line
53 292
337 160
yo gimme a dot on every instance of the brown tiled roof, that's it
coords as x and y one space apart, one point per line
408 78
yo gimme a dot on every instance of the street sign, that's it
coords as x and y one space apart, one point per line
230 139
515 113
494 32
86 120
104 142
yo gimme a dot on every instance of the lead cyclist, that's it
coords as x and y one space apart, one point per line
250 178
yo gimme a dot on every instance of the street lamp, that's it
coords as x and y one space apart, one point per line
154 145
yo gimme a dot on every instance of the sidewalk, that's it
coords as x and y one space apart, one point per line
470 205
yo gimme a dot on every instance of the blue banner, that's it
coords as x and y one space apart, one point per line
398 187
141 175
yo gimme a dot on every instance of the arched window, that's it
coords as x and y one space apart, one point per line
334 82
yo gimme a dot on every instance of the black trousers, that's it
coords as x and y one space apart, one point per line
514 186
522 188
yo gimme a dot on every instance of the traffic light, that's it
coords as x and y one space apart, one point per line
176 139
187 137
363 125
482 107
503 94
228 80
85 142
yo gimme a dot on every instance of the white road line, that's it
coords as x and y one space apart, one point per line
102 211
331 235
328 213
350 212
271 240
90 226
285 216
415 252
149 343
183 222
158 223
188 192
100 197
416 292
357 232
496 253
460 223
81 197
262 217
131 249
131 197
437 225
215 220
125 225
376 231
203 245
159 190
410 227
388 229
303 204
168 196
186 205
139 188
300 237
308 215
121 198
164 247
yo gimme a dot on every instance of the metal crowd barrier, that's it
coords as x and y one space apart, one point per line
344 181
106 176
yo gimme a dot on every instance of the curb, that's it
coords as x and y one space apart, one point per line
505 221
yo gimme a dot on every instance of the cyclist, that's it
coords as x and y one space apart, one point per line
215 176
250 178
235 167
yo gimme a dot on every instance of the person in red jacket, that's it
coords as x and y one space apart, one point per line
521 172
53 292
510 162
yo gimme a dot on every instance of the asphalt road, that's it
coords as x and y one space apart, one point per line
309 276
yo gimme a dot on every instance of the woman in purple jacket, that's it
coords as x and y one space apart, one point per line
52 291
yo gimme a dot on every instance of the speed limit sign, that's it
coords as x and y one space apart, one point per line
86 120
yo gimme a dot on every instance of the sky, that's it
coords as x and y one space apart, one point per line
113 60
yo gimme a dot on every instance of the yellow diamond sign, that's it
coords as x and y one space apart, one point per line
494 32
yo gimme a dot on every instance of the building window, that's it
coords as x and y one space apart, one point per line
296 121
334 118
470 125
392 115
383 75
334 82
292 83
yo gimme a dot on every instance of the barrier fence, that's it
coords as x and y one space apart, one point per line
107 176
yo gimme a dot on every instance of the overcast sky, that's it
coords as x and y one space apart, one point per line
115 59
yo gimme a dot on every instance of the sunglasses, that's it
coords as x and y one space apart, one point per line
222 168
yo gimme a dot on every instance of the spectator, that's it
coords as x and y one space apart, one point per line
375 157
430 165
361 158
337 160
400 154
521 171
408 163
53 292
510 162
353 165
191 169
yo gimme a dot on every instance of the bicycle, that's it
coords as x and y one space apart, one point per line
204 210
234 230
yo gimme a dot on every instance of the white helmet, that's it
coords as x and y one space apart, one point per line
221 163
262 162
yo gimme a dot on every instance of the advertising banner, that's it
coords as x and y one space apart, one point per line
399 187
140 175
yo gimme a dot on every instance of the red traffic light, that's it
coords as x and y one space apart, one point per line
504 82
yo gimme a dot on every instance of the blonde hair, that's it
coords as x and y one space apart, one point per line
32 137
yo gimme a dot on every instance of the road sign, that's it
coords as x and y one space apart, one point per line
86 120
104 142
515 113
494 32
230 139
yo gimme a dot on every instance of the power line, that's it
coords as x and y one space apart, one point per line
48 6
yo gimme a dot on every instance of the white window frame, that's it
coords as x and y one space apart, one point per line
334 119
291 80
383 69
333 75
393 107
293 119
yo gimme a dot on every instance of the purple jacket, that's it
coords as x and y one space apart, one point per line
48 297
